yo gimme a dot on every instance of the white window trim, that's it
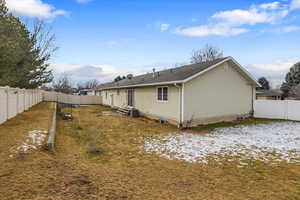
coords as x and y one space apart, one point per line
162 101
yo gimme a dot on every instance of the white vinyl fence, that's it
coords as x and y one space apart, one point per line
14 101
72 99
275 109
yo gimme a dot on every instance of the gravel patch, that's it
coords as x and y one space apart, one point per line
272 142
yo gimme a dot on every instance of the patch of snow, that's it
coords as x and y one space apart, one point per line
272 142
34 139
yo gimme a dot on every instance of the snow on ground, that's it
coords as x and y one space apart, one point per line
272 142
34 139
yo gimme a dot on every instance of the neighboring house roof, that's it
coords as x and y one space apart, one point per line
174 75
269 93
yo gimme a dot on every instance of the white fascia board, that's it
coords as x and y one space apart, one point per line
143 85
245 71
223 61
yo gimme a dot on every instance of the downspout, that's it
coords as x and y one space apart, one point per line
180 104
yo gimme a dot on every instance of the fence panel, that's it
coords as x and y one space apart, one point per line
27 100
15 100
3 104
12 102
293 110
275 109
21 101
72 99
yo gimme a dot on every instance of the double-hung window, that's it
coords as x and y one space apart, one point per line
162 94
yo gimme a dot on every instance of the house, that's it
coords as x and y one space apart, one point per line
214 91
275 94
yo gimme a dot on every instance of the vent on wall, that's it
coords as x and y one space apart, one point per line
226 66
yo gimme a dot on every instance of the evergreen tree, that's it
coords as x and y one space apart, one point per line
24 55
264 84
292 80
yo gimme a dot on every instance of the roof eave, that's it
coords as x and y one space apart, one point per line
253 80
143 85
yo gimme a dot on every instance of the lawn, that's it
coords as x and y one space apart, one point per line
121 169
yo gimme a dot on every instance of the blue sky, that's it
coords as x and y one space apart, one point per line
103 38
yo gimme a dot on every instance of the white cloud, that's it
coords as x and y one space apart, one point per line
83 1
274 71
205 30
164 27
233 22
288 29
250 17
295 4
112 43
33 8
78 73
119 42
273 5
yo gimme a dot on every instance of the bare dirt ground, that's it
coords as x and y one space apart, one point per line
121 170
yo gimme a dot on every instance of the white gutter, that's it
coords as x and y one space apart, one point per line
142 85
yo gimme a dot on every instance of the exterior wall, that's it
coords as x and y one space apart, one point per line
145 100
115 98
221 94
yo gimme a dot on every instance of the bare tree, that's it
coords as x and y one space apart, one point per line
63 84
295 92
45 39
208 53
88 84
91 84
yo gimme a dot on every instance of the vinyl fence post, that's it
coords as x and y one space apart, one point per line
7 99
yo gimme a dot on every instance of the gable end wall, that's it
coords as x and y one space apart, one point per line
221 94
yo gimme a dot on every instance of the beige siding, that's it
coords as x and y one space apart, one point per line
145 100
118 99
217 95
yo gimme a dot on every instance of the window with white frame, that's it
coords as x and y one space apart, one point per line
105 94
162 94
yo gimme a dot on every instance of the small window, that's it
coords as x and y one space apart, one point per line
118 92
162 94
106 95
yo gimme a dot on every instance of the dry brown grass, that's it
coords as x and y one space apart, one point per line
123 171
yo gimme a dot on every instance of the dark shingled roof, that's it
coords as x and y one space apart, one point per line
169 75
269 93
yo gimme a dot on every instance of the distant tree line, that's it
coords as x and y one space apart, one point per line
64 84
24 53
291 85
